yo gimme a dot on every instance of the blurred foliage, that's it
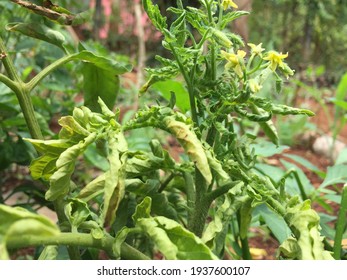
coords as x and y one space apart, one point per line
311 29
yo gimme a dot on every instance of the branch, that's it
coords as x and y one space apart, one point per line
62 18
77 239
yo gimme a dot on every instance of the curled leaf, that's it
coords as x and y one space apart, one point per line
191 144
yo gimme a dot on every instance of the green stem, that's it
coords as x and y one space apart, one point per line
301 186
341 224
220 191
77 239
246 255
8 64
46 71
189 85
22 92
8 82
59 209
27 107
198 218
190 192
166 182
277 206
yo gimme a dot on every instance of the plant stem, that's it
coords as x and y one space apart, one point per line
246 255
77 239
190 192
198 218
59 209
341 223
22 92
8 82
8 64
43 73
189 85
211 196
301 186
166 182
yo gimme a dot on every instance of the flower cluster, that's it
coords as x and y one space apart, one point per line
270 60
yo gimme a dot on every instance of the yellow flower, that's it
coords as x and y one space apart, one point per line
276 59
256 49
235 61
229 3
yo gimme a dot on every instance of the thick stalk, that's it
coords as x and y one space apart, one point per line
27 107
190 192
77 239
198 218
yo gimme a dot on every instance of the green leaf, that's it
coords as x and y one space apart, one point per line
119 240
18 222
335 175
341 104
229 17
99 83
154 14
38 31
178 28
115 176
226 207
157 75
342 157
93 188
216 166
72 128
174 241
101 62
267 149
50 252
77 212
276 172
143 210
60 180
274 222
93 157
291 183
305 225
182 97
341 93
306 163
52 146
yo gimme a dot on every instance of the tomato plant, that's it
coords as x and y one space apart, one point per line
144 203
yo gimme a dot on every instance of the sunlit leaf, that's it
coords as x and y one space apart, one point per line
174 241
18 222
191 145
182 96
60 180
115 176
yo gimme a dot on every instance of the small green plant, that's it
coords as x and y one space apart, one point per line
145 202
